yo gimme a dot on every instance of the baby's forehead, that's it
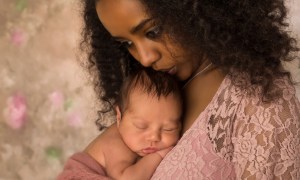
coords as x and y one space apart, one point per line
149 87
149 93
138 98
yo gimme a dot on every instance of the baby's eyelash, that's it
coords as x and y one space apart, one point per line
171 129
140 126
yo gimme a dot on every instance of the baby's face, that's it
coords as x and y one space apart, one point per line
150 124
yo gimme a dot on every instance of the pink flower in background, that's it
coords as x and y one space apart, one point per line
17 37
74 119
57 99
16 111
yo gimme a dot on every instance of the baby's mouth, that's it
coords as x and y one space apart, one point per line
149 150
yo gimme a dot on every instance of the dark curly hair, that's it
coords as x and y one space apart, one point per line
154 83
238 36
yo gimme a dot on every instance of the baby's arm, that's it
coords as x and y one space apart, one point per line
143 169
119 161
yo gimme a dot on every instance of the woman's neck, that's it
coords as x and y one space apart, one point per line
199 93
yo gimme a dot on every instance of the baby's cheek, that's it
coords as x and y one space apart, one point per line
172 140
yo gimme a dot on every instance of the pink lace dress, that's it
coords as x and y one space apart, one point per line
239 137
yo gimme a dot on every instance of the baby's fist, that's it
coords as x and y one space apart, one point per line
164 152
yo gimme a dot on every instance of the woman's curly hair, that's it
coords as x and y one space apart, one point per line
238 36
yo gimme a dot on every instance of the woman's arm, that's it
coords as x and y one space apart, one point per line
267 140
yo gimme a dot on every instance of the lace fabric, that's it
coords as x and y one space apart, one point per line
239 137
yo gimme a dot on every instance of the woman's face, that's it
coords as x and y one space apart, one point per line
128 23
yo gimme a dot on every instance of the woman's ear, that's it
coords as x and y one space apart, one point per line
119 115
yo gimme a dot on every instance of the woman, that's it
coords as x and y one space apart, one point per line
242 119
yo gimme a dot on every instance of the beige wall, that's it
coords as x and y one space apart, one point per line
294 14
43 86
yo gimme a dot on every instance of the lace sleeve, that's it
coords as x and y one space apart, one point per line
266 139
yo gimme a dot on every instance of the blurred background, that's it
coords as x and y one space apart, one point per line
47 104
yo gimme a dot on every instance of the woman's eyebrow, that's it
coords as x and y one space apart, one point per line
135 29
140 26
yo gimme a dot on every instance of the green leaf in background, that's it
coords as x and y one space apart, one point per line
68 104
21 5
53 152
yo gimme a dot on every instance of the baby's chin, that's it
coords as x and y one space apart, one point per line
141 154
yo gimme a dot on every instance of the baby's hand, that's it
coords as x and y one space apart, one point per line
164 152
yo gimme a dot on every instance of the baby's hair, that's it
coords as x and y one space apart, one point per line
154 83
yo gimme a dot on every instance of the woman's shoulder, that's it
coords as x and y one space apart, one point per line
284 96
239 87
235 110
283 106
264 129
254 116
286 88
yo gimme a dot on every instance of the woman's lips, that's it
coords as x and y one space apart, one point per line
149 150
173 70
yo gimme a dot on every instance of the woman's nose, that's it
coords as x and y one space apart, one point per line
147 55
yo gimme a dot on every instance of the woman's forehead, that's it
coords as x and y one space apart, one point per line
118 15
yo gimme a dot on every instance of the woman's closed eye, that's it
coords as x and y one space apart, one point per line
154 32
126 44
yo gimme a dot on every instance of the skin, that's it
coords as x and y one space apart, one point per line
150 124
134 146
119 17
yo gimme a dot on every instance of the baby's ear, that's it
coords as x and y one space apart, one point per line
119 115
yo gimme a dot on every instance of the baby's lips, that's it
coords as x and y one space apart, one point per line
149 150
